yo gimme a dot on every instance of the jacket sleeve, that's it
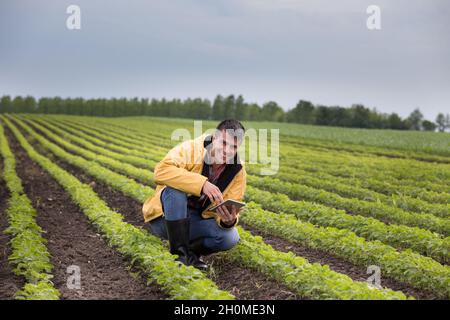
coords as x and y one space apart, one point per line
174 170
236 192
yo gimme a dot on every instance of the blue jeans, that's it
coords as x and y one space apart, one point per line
175 207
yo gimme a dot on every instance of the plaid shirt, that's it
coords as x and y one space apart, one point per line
213 175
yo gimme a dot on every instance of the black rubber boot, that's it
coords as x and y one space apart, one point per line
197 246
199 249
178 234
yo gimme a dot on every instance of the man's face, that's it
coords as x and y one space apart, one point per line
224 146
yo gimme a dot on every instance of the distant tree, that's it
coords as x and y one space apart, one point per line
241 111
254 112
18 105
302 113
360 116
200 109
339 116
379 120
440 121
428 125
218 108
224 107
229 107
42 105
323 116
271 111
5 104
415 120
395 122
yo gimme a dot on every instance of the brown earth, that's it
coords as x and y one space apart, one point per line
72 240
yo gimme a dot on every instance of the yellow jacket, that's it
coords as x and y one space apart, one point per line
183 169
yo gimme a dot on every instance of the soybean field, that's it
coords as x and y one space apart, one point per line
348 214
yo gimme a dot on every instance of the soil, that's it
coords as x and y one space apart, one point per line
72 240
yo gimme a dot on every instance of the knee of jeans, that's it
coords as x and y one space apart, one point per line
227 239
175 194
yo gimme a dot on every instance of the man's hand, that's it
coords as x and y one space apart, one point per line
212 192
228 214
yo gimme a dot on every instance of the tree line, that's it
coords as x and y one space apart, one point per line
225 107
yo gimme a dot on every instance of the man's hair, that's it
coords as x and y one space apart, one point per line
230 124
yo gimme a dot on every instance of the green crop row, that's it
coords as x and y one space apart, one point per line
127 186
376 210
84 139
120 137
346 189
378 181
380 210
306 156
109 138
155 136
400 237
96 138
365 149
161 127
370 189
121 162
311 280
431 176
29 255
339 137
391 164
404 266
179 281
334 148
406 260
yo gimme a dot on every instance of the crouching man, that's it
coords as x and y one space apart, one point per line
192 177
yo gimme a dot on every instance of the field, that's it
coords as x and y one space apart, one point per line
345 206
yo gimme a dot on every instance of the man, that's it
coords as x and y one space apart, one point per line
192 177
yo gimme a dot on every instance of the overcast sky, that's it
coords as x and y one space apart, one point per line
282 50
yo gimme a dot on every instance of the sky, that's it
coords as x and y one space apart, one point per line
280 50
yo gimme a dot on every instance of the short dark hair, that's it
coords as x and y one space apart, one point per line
230 124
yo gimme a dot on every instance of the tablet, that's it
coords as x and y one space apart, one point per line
227 203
